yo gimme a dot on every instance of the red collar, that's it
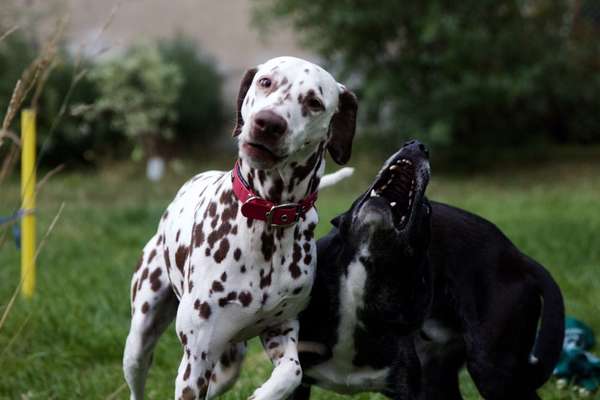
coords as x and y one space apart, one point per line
277 215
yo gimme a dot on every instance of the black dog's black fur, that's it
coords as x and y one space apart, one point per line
487 301
395 291
488 295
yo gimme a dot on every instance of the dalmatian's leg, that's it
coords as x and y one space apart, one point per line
280 343
227 370
153 307
205 332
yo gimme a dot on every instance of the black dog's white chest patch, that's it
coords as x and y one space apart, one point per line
339 373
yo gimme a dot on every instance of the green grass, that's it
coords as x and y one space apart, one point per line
71 344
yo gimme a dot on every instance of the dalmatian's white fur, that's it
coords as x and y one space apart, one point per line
227 278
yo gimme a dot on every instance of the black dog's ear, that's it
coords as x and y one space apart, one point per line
343 126
337 221
244 86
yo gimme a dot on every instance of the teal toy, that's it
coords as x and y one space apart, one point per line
577 365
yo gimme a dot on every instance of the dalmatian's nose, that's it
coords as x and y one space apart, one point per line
269 124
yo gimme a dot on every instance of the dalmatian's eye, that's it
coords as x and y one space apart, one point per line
315 104
264 82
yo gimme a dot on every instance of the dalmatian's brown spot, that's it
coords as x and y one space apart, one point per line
231 296
190 286
221 252
245 298
309 233
165 215
217 286
207 252
264 299
224 276
143 277
267 245
272 345
297 255
212 209
320 90
237 254
234 230
188 371
306 247
167 259
203 309
249 222
214 222
297 290
181 257
155 279
177 235
243 270
134 291
262 176
225 360
276 190
307 259
159 240
183 338
230 213
151 255
202 385
188 394
139 263
298 372
203 355
219 234
198 235
145 307
279 313
265 280
227 197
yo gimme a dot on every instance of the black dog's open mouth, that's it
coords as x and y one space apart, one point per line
397 186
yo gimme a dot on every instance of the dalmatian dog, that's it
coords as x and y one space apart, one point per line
234 255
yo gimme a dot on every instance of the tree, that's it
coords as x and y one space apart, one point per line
473 72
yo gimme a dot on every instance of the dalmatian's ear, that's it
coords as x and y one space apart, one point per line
244 86
343 127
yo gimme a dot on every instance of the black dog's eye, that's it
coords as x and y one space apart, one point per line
264 82
315 104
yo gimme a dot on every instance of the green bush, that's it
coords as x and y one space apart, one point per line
137 94
171 91
471 73
200 114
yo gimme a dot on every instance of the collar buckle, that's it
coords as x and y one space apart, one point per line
287 219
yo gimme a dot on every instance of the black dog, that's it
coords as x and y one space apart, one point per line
486 304
373 287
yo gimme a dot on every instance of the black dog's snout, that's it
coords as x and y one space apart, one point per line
415 145
268 123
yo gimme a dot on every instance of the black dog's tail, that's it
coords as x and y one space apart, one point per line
549 341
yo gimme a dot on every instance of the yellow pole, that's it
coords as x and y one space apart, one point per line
28 183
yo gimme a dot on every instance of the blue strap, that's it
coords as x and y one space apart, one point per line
16 228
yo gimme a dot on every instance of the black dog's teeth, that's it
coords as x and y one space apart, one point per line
396 184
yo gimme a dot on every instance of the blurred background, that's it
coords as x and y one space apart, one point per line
505 93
